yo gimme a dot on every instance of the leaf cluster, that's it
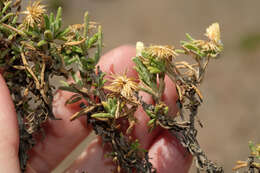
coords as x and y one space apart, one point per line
35 48
252 163
154 62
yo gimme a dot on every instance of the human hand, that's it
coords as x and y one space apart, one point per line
166 153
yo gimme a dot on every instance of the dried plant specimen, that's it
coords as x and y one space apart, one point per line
38 48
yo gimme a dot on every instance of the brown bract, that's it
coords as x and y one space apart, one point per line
123 85
34 13
163 52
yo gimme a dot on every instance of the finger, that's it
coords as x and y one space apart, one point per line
9 136
62 136
168 156
141 130
170 96
119 61
93 159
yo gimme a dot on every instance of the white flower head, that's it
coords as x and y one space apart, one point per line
139 48
213 33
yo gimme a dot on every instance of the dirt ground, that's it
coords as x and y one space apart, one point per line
231 109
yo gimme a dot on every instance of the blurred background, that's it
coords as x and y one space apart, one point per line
231 109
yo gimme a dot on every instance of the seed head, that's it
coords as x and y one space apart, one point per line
34 13
162 52
123 85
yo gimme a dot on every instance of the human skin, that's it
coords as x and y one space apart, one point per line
62 136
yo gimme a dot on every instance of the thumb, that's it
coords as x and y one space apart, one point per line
9 136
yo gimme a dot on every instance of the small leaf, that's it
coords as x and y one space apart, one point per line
68 60
99 46
59 13
166 110
63 33
42 43
51 17
48 35
102 115
77 79
46 21
189 37
7 5
179 51
70 89
92 40
151 122
86 24
150 114
6 17
64 83
154 70
106 106
73 99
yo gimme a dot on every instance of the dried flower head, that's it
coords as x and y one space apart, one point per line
213 33
123 85
162 52
74 29
209 47
34 13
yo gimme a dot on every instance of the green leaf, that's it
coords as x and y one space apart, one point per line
14 20
63 33
179 51
135 145
99 46
151 122
70 60
193 48
77 49
7 5
92 40
145 75
73 99
68 88
251 146
166 110
86 24
64 83
42 43
6 17
77 79
48 35
150 113
3 53
106 106
58 15
87 63
189 37
110 105
51 18
102 115
154 70
46 21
